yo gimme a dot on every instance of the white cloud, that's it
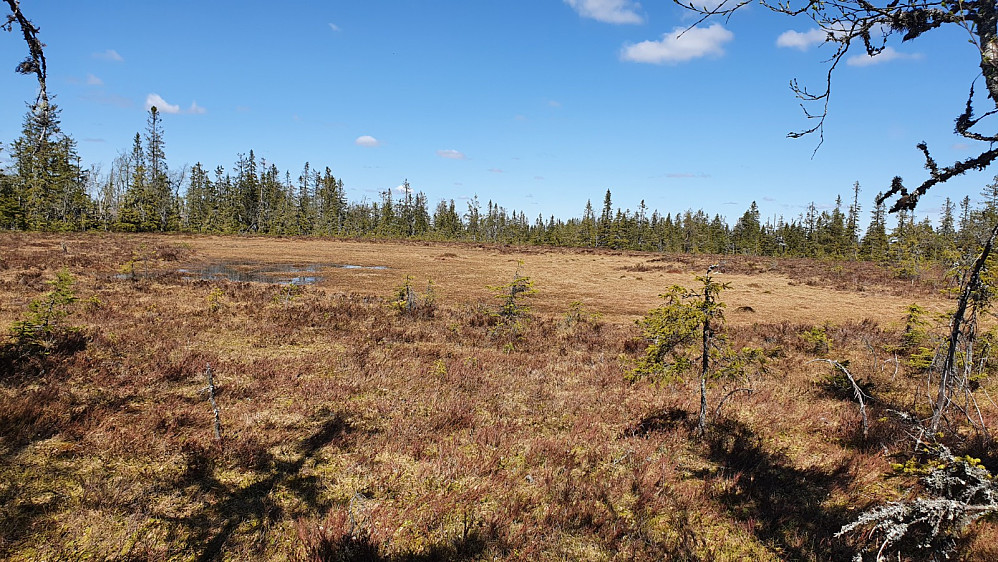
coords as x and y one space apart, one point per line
608 11
110 55
496 171
554 103
801 40
161 104
680 45
404 188
334 27
368 141
887 55
164 106
452 154
94 81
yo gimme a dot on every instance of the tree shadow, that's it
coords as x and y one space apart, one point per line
255 505
662 421
781 504
26 360
345 547
210 530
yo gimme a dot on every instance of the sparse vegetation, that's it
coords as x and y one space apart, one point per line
351 434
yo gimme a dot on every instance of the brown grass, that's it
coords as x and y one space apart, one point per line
351 432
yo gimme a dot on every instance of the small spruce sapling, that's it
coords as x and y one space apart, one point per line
513 311
513 307
406 301
688 332
43 325
915 341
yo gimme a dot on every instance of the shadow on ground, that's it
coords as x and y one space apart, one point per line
781 504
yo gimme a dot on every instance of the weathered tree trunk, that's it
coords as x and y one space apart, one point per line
956 331
705 354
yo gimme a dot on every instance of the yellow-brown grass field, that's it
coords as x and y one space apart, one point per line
351 431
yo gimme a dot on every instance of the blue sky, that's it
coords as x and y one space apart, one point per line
537 105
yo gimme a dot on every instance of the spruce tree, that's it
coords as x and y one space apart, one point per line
163 213
46 190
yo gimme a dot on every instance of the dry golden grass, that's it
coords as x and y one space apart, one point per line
620 285
352 431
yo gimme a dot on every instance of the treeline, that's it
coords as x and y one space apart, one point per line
46 188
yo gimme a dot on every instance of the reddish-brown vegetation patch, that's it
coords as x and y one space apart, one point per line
348 427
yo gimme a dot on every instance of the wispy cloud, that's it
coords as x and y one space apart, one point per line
801 40
404 188
680 45
94 81
367 141
496 171
164 106
333 26
452 154
110 55
608 11
554 103
686 175
110 99
889 54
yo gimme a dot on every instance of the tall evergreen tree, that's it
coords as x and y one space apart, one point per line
852 223
747 231
605 221
874 245
163 209
135 207
46 190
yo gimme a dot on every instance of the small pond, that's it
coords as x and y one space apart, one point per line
259 272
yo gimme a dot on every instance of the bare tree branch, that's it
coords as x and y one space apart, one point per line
861 396
874 22
35 62
968 298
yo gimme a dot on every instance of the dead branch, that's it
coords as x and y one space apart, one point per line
873 23
857 391
35 62
210 389
967 299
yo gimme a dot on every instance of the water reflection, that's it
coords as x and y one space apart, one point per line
257 272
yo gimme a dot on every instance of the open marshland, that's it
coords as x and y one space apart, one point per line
351 430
